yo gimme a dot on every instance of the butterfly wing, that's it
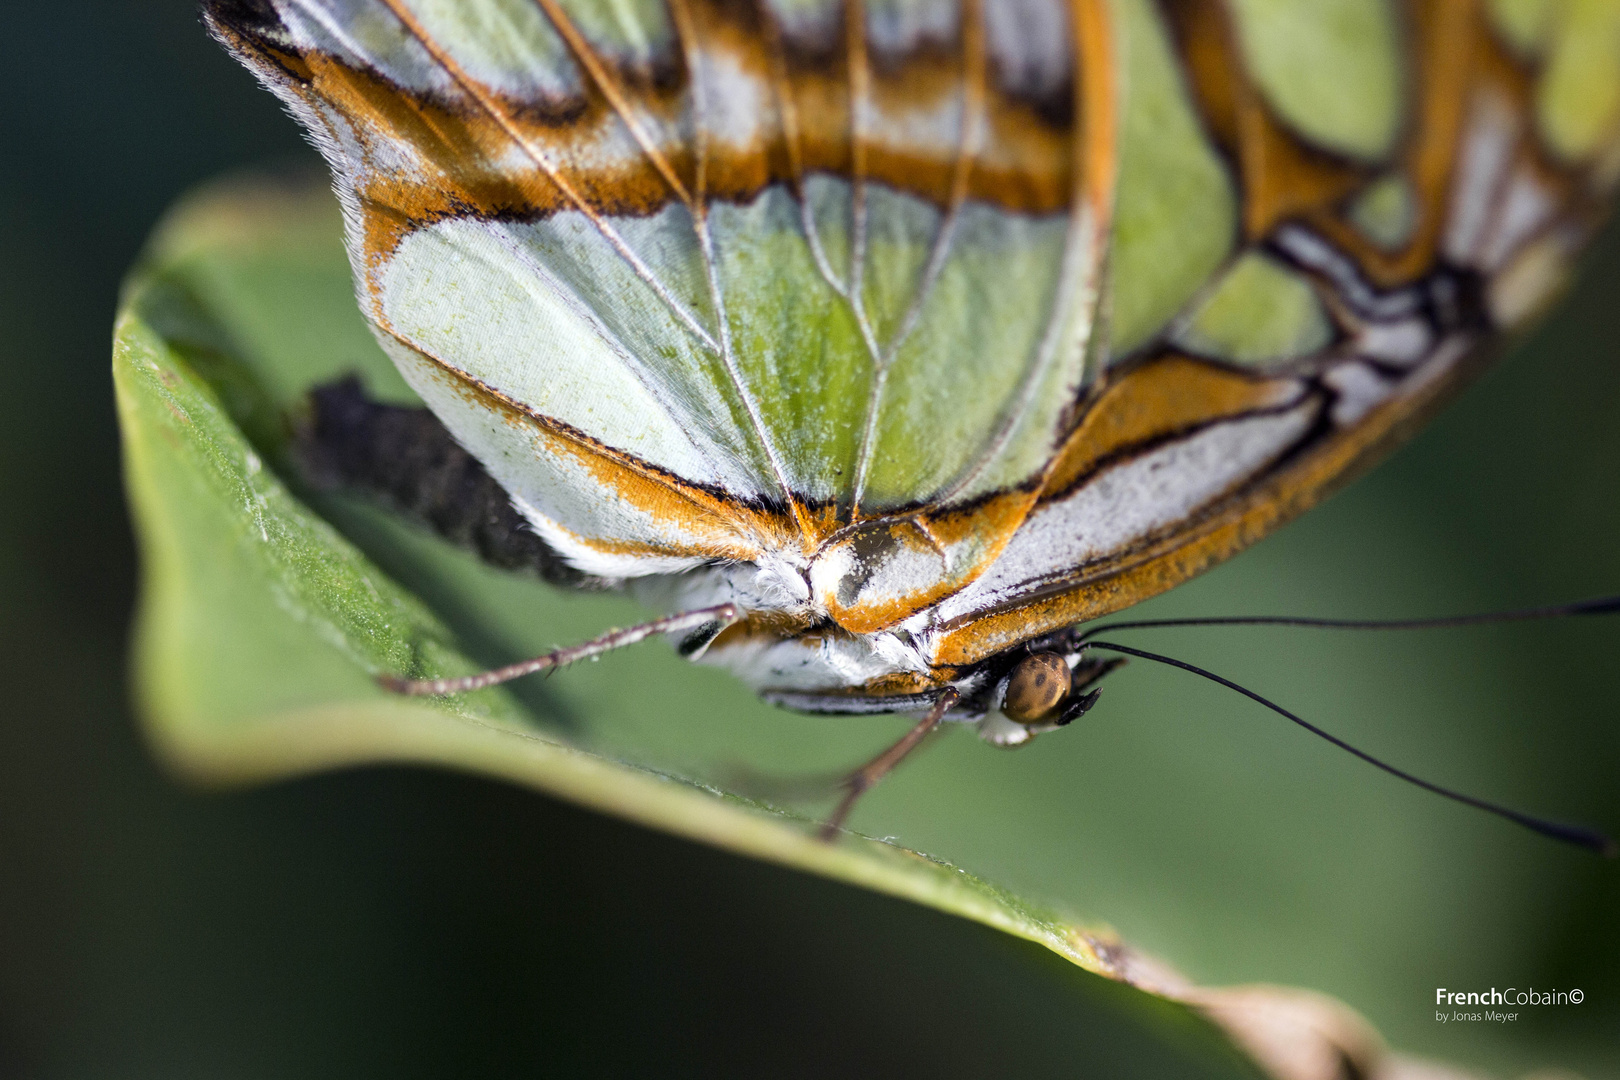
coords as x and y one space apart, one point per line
707 280
1374 253
988 316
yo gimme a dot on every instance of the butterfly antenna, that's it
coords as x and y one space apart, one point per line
1603 605
717 617
1578 835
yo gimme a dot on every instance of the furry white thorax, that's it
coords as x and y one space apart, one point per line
801 667
778 584
774 584
813 663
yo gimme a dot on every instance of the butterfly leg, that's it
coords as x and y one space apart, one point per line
699 619
866 777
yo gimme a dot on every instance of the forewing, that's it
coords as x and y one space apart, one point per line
1325 213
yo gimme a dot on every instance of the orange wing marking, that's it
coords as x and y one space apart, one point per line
724 523
1248 515
1450 52
1285 178
1280 175
1167 396
615 95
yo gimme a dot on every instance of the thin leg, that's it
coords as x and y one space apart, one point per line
613 639
866 777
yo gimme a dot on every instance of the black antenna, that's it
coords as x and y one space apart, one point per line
1603 605
1579 835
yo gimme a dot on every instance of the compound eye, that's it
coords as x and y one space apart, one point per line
1037 686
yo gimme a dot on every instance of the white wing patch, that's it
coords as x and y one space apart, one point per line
1128 503
1487 153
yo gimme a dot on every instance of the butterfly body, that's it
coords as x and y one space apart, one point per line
919 330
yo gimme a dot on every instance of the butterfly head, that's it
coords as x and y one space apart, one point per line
1044 686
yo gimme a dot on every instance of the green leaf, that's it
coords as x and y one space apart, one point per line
267 609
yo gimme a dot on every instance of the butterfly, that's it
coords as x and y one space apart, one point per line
883 343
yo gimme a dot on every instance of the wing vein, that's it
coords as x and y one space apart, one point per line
1080 267
705 237
486 102
860 105
789 115
687 32
969 140
614 93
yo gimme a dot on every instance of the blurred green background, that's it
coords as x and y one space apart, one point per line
410 922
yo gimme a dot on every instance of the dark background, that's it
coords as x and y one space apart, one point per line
409 922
